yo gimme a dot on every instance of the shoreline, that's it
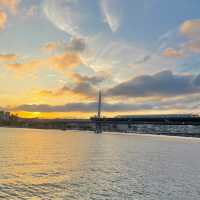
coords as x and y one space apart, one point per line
173 135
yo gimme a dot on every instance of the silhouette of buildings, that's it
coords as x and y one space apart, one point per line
4 116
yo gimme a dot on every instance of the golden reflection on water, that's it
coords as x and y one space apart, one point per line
52 164
40 157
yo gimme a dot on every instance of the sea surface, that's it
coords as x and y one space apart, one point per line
57 165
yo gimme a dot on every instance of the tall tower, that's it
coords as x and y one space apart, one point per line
99 106
98 119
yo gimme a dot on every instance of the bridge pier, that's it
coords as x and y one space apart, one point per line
98 127
98 119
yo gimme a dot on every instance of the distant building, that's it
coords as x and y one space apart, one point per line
165 116
5 116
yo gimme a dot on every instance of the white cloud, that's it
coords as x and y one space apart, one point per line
75 17
104 50
64 16
112 13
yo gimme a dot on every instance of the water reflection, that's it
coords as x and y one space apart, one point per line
36 157
37 164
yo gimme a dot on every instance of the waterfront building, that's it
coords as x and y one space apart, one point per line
158 116
5 116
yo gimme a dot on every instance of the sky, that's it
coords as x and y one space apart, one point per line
55 55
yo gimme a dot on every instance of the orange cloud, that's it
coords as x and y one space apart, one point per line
65 91
3 20
190 28
66 60
68 93
8 58
11 4
25 66
50 47
171 53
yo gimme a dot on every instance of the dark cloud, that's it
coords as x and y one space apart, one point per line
84 85
83 89
83 107
143 60
72 107
93 79
76 45
96 79
178 104
165 84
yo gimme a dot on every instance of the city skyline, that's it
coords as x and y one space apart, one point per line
55 56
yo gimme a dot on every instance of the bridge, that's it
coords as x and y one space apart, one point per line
129 121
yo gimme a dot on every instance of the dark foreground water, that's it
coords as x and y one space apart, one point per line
37 164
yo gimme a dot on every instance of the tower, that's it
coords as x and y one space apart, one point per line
99 106
98 118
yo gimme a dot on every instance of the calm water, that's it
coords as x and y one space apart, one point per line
36 164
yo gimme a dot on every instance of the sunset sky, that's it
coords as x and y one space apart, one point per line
55 55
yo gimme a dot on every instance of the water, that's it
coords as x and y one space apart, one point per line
38 164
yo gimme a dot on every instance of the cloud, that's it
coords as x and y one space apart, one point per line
182 105
171 53
8 58
73 107
75 17
10 4
143 60
21 66
62 61
98 48
163 84
193 46
3 20
113 54
84 87
50 47
74 45
184 43
112 13
83 90
94 80
190 28
64 15
77 45
82 107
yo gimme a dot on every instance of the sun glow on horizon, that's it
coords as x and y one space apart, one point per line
85 115
55 55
